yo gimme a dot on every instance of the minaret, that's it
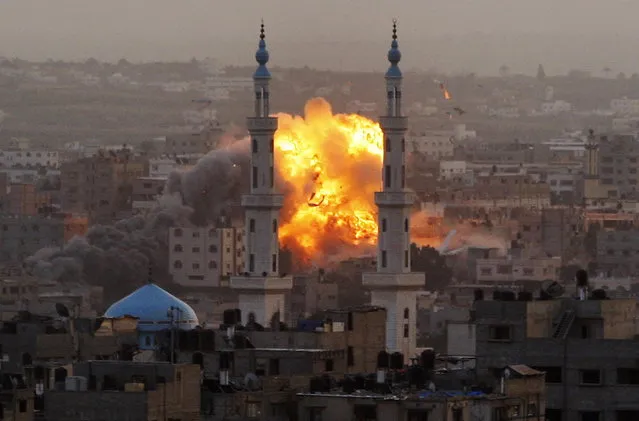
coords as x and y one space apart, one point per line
261 288
591 187
393 286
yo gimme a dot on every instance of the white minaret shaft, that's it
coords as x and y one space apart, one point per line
261 287
394 286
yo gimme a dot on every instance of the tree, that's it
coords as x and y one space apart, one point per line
541 74
428 260
504 70
621 76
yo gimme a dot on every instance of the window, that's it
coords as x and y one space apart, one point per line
387 176
383 258
553 374
329 365
590 377
628 376
499 333
406 258
271 177
195 250
405 224
252 225
417 415
387 144
315 414
22 404
350 356
251 262
627 415
253 410
177 264
589 416
196 266
532 410
212 264
458 414
254 177
212 233
406 331
274 263
213 248
384 225
275 226
403 144
254 143
274 367
553 414
403 176
178 248
196 234
147 340
272 145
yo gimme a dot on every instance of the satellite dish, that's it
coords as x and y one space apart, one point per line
251 382
62 310
553 288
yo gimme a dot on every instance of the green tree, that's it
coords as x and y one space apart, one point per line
541 74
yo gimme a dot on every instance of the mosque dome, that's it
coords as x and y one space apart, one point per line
151 305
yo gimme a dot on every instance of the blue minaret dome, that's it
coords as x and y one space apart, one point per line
261 56
394 56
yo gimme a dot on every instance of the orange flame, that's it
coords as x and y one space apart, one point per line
331 167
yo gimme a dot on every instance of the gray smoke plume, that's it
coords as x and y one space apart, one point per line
119 255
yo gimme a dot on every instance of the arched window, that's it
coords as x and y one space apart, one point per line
406 225
177 264
406 313
178 248
384 225
274 225
254 143
212 264
213 248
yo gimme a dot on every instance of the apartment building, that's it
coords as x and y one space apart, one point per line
618 168
27 199
618 251
145 192
588 350
201 256
510 271
100 186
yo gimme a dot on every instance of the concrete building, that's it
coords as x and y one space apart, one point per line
520 397
625 106
588 350
618 173
194 144
506 270
394 286
200 257
145 193
117 390
21 237
25 199
618 251
29 158
262 289
100 186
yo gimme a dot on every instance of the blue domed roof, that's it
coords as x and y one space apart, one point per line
151 305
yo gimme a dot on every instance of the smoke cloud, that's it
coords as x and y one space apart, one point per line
121 254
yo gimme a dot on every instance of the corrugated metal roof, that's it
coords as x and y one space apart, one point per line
524 370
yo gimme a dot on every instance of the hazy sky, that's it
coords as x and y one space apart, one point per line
451 35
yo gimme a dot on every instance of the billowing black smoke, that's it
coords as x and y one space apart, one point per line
120 255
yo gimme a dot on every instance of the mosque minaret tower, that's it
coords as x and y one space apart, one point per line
394 286
261 288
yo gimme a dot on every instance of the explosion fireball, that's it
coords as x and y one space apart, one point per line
330 165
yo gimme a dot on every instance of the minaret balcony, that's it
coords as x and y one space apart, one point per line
393 123
394 281
265 201
266 124
395 199
262 284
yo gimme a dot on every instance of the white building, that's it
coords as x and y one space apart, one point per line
556 107
29 158
393 286
450 170
200 257
261 288
625 106
438 144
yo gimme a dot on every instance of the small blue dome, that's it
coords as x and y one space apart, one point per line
261 56
151 305
394 56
